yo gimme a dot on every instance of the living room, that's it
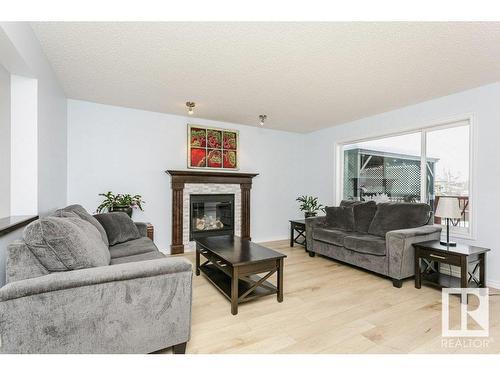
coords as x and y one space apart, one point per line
249 187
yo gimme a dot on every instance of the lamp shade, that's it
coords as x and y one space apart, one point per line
448 208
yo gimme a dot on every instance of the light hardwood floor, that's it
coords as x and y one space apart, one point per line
328 307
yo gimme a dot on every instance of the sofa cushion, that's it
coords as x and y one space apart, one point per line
138 257
365 243
118 226
22 263
340 218
66 243
393 216
331 236
138 246
364 212
84 215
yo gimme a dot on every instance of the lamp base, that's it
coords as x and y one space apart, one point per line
451 244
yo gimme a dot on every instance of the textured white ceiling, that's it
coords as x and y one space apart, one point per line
304 76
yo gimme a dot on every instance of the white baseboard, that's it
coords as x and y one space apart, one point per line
271 239
493 284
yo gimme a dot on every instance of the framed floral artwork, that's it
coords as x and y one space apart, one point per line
212 148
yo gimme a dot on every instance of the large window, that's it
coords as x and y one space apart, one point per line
420 166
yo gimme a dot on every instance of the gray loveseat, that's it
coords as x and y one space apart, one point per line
83 284
376 237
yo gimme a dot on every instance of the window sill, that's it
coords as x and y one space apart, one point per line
11 223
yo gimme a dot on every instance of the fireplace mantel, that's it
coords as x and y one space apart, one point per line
180 178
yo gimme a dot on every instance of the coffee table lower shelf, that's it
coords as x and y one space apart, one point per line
222 281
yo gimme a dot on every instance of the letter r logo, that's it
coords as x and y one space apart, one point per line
479 315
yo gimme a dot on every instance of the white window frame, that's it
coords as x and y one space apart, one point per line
423 130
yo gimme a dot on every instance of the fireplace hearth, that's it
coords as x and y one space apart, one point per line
211 215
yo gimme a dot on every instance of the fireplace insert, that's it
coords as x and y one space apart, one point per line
211 215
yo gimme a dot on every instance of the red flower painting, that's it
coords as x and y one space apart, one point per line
214 159
212 148
230 141
198 157
229 159
198 137
214 138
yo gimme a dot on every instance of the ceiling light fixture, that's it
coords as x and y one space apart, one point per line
262 118
190 106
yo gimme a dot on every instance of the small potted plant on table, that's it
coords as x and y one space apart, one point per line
120 203
310 205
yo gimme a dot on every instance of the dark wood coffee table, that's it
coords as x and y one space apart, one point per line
233 264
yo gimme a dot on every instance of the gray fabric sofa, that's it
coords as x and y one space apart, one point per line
61 298
376 237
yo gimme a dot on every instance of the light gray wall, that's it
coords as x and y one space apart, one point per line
128 150
24 146
21 53
4 142
52 134
482 103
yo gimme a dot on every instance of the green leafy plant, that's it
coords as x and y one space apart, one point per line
309 205
112 200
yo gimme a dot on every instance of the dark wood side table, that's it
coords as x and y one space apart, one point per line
150 231
298 226
430 255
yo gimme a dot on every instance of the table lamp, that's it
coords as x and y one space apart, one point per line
448 208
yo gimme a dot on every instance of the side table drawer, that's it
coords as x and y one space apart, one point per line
439 256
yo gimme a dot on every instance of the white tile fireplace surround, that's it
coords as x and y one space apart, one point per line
208 188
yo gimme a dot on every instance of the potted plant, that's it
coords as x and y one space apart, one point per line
309 205
120 202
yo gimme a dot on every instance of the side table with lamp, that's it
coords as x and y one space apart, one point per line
429 256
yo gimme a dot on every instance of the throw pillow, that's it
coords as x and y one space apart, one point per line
340 218
66 243
364 212
393 216
119 227
84 215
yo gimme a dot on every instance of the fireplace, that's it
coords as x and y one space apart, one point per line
189 182
211 215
